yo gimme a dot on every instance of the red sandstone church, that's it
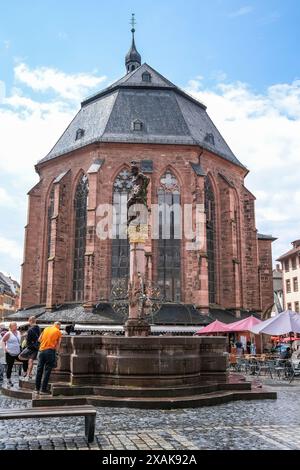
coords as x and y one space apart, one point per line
68 272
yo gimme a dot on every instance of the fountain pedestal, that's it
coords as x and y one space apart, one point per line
137 325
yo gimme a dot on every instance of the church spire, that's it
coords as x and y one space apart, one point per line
133 59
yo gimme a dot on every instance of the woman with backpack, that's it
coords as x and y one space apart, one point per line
32 346
12 344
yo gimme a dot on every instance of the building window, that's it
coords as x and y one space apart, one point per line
288 286
146 77
169 241
289 306
295 284
79 134
137 125
120 245
294 262
210 209
286 266
209 138
80 209
297 307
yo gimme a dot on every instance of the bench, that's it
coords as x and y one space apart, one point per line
89 412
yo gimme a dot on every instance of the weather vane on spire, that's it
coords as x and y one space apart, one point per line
133 58
133 23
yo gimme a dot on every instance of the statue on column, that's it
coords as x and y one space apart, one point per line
138 194
137 222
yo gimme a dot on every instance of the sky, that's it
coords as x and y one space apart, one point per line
240 58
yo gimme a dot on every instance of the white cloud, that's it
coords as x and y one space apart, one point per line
10 248
263 130
245 10
30 124
2 91
6 200
45 79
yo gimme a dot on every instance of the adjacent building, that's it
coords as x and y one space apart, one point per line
278 290
9 296
290 262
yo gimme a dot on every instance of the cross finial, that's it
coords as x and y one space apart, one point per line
133 23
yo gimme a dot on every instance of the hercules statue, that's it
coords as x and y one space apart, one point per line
138 194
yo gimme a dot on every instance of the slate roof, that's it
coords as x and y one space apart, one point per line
8 285
169 116
227 316
22 315
262 236
103 314
179 314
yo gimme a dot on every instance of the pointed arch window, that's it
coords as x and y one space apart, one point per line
120 245
80 210
169 242
210 209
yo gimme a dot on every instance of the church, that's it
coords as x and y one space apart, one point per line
69 272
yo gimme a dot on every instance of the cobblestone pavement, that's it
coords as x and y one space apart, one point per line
266 424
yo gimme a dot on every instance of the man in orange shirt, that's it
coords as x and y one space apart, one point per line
50 340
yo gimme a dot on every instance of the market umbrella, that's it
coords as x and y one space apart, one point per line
282 324
214 327
244 325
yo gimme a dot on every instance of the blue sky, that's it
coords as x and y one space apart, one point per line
239 57
251 41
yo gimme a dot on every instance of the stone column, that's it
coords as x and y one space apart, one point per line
56 278
91 255
136 324
195 256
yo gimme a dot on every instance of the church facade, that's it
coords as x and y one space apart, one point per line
146 118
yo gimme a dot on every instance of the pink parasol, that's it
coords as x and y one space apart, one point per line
244 325
214 327
288 340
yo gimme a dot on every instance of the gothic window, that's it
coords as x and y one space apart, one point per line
210 209
169 242
80 209
120 245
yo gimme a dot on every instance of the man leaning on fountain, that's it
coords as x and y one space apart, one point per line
50 340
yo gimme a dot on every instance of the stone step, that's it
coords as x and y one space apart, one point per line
234 383
207 399
16 392
127 392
